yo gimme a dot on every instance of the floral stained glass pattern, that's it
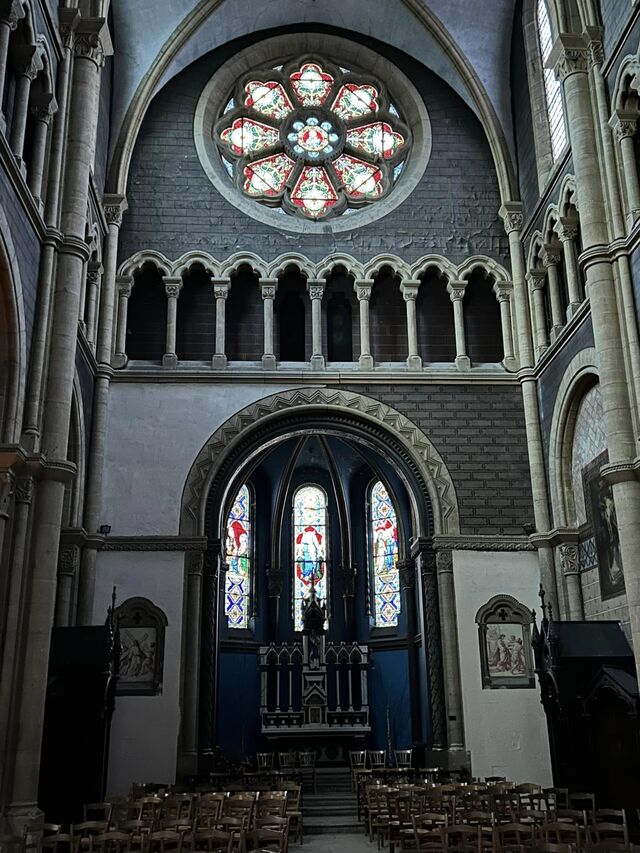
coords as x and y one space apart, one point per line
238 559
309 547
312 139
383 534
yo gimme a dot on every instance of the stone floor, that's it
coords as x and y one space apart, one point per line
340 843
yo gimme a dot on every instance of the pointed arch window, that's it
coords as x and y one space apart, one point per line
239 551
309 546
383 557
552 86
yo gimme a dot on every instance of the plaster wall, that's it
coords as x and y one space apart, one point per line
155 432
144 731
505 729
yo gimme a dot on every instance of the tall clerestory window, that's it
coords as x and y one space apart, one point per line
383 557
309 546
552 86
239 551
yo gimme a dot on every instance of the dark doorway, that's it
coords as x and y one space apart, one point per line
291 316
339 334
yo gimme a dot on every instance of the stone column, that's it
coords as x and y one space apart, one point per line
188 763
407 572
31 66
409 290
569 566
537 281
172 287
316 288
68 560
573 58
43 555
512 216
221 287
268 288
624 125
432 642
568 233
456 289
362 287
124 286
94 277
114 205
450 652
6 492
11 11
550 260
503 292
42 114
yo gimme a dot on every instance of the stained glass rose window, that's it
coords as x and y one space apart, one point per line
312 139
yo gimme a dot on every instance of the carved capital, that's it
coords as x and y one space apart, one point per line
407 572
568 559
268 287
503 290
114 206
172 286
94 273
512 217
195 563
11 11
275 581
536 279
456 290
68 559
362 288
568 230
316 288
7 482
551 256
124 285
410 290
444 562
89 45
624 125
572 60
29 64
595 46
221 287
45 110
24 490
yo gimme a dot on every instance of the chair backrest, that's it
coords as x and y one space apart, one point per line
98 811
89 827
62 842
266 837
164 839
213 839
558 832
357 758
265 760
572 816
611 816
307 760
286 760
581 800
377 758
514 834
600 832
110 842
403 757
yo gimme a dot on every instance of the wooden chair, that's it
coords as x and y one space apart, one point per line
270 804
12 843
267 838
561 833
377 759
265 761
60 842
208 809
400 818
603 833
357 765
86 829
426 830
512 837
98 811
611 816
461 838
178 806
403 758
550 848
164 841
112 842
307 764
583 801
294 812
286 761
558 797
210 841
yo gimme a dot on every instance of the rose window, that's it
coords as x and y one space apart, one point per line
312 140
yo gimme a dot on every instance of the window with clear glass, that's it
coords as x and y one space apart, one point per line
552 86
309 547
312 139
383 557
239 559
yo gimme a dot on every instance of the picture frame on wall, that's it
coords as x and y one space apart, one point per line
142 633
504 634
601 516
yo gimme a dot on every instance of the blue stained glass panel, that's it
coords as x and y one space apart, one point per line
238 559
309 547
383 537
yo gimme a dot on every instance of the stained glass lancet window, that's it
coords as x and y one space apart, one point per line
383 557
238 558
312 139
309 546
552 87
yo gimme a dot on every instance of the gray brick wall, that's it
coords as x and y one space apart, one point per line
521 104
614 14
173 206
479 431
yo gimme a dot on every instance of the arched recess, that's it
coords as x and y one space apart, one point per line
160 66
13 356
581 374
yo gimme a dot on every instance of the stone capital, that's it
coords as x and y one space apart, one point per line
362 288
94 272
195 563
124 285
316 288
456 290
92 40
593 37
268 287
7 485
551 256
503 291
172 286
444 562
568 559
407 572
69 20
570 55
114 207
68 559
221 287
568 229
536 279
45 109
511 213
11 11
29 63
409 289
623 124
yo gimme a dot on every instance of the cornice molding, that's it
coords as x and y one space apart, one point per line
155 543
471 542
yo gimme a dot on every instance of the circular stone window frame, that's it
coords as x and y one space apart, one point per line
341 52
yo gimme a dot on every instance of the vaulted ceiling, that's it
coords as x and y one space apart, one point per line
155 39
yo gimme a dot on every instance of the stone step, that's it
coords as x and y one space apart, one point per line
323 812
331 824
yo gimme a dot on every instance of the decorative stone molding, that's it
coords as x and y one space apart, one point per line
407 572
114 208
409 290
567 230
24 490
511 213
503 291
45 110
444 562
456 290
623 124
423 454
124 286
268 287
489 543
570 56
536 279
363 288
11 11
568 559
316 288
155 543
29 63
7 482
88 43
172 288
221 288
551 256
68 559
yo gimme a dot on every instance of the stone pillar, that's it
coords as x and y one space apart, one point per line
511 213
268 288
124 286
172 287
114 205
409 290
94 276
316 288
221 287
537 280
450 652
42 114
188 762
11 11
407 572
68 560
31 66
456 289
573 58
625 126
6 492
551 259
503 292
43 555
569 566
362 287
432 643
568 233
